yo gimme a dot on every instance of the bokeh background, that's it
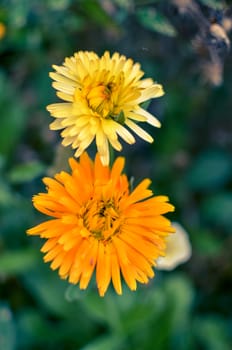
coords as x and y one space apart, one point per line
184 45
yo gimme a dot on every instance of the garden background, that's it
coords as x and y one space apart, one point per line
184 45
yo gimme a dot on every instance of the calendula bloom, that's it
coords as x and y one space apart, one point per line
100 225
2 30
102 99
178 250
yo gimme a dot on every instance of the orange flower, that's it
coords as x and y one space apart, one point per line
99 224
2 30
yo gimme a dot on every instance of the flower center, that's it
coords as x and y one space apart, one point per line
99 98
101 219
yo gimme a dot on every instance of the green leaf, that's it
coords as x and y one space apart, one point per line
6 196
212 333
179 291
107 342
13 117
49 290
33 327
7 329
15 262
182 293
58 4
154 21
120 118
217 209
206 243
211 169
95 12
95 305
105 309
16 216
26 172
73 293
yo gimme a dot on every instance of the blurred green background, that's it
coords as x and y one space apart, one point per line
185 45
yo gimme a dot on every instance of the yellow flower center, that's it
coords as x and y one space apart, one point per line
99 98
100 219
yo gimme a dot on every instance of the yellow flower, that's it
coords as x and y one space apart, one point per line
103 97
99 224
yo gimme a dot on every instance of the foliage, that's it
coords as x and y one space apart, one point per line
190 161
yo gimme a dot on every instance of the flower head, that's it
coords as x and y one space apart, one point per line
2 30
98 224
102 98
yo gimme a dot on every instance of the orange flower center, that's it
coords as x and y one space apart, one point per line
99 98
101 219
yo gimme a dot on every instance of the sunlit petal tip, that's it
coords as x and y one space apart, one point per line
160 91
32 231
101 293
172 208
78 153
72 162
157 124
154 122
51 74
104 160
